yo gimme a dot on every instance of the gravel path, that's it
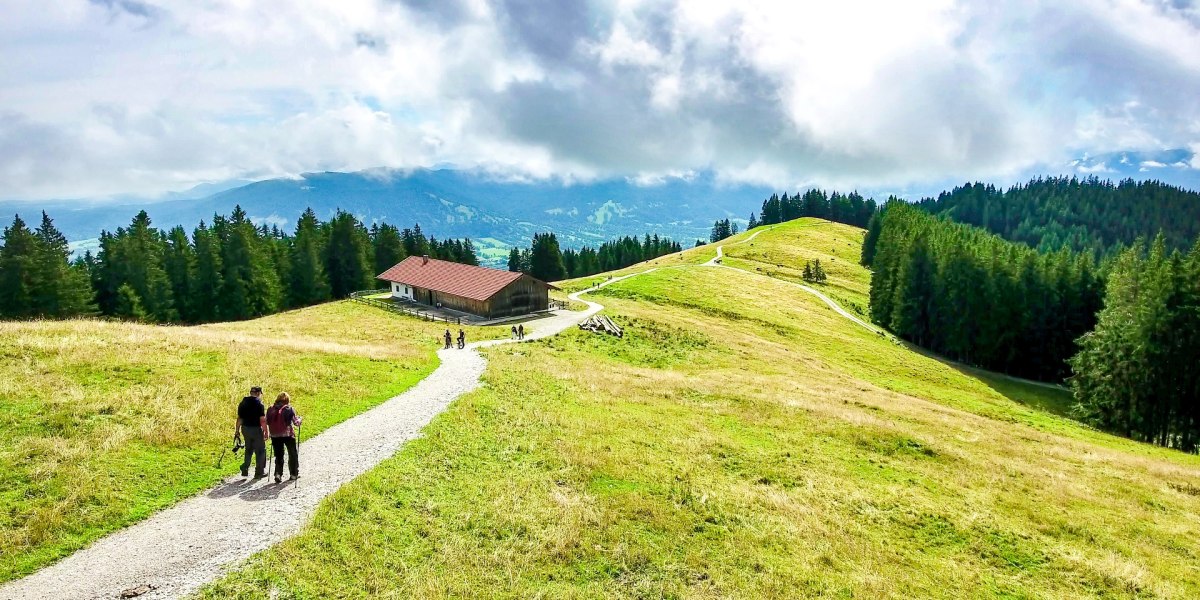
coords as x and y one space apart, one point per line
178 550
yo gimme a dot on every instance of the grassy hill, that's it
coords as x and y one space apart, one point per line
743 440
104 423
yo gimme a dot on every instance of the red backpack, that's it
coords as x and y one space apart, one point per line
279 419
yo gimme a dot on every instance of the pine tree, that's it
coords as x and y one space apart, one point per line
546 262
179 263
208 280
61 289
348 256
129 305
307 281
18 271
514 260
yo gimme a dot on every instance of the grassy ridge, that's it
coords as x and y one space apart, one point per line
105 423
744 441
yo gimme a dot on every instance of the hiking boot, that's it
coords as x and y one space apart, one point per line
245 473
260 475
278 478
294 477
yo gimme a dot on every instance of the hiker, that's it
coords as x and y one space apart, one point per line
514 332
281 418
462 339
520 332
447 336
251 425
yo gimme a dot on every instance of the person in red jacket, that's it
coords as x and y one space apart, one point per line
282 422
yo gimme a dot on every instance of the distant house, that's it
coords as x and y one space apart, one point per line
481 291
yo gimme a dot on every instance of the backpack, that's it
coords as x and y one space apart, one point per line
279 419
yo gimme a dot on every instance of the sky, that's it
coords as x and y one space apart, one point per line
103 97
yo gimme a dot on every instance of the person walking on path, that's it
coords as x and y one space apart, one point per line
447 337
521 332
514 332
251 425
462 339
282 421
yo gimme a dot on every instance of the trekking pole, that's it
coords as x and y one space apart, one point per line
297 453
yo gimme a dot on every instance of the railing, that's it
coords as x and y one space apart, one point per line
364 297
559 304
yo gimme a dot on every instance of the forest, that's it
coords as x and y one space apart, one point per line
229 270
545 259
977 298
1137 372
850 209
1125 334
1080 214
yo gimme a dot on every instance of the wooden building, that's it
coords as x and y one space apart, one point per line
489 293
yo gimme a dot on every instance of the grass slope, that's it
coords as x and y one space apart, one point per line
105 423
744 441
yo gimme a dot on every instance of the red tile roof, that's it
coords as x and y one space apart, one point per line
476 283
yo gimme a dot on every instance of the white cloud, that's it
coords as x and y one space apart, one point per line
116 96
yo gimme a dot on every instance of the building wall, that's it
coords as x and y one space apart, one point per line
523 296
400 290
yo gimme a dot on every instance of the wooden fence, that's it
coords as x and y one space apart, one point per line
364 297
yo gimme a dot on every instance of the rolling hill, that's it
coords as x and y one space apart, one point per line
744 440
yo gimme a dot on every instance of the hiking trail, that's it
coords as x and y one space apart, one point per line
176 551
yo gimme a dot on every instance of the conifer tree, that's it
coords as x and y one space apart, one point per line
307 282
208 281
546 262
18 271
61 289
348 258
179 263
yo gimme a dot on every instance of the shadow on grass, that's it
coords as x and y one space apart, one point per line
1040 395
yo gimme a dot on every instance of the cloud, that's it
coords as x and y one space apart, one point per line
110 96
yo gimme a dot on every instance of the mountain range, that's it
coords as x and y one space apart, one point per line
499 213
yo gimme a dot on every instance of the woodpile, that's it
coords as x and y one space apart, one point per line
601 324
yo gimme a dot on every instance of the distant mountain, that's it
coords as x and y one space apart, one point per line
446 202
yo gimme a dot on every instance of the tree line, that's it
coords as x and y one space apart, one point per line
1080 214
230 269
977 298
850 209
1136 373
1125 334
545 260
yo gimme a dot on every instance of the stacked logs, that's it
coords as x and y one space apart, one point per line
601 324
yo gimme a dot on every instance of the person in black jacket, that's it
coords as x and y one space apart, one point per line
251 425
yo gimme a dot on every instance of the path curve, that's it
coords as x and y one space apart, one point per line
181 548
716 262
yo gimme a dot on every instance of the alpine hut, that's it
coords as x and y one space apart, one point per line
488 293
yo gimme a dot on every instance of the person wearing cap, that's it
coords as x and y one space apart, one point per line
251 425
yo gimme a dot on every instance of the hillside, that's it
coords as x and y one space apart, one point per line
106 423
743 440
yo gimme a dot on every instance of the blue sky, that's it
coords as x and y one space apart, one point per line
105 97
